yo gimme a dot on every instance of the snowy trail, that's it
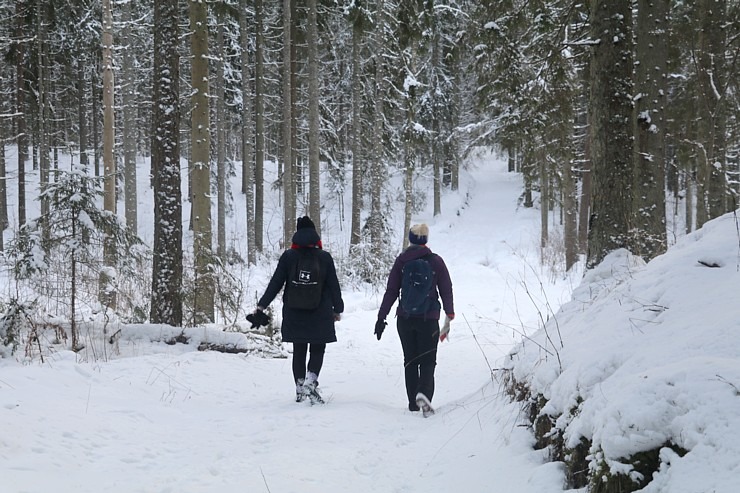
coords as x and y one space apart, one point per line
210 422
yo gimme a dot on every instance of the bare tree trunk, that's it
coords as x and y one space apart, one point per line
511 162
454 155
357 130
528 174
437 169
129 131
54 137
691 194
34 142
82 110
436 148
107 290
314 183
584 209
408 185
544 200
247 146
43 117
73 293
611 131
712 91
21 132
455 173
201 168
96 114
649 129
259 126
166 303
685 170
376 220
701 184
221 140
3 191
570 216
409 143
297 164
289 214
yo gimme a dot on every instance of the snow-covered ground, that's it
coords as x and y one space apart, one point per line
167 418
650 358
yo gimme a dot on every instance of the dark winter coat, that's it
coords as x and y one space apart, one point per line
442 286
311 326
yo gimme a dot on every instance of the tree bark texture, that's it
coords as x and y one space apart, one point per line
3 192
357 130
259 126
611 129
166 303
129 128
314 122
377 221
20 101
289 216
201 165
107 287
649 236
712 113
247 134
221 139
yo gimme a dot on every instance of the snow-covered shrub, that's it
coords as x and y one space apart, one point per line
60 253
13 324
368 262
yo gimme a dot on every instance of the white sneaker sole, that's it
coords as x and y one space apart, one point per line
424 404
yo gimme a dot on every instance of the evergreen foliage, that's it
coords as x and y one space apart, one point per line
55 252
404 88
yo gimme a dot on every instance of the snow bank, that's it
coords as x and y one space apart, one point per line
648 355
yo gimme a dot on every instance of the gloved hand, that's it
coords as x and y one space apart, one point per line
379 328
258 318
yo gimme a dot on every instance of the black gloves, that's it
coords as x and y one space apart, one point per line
258 318
379 328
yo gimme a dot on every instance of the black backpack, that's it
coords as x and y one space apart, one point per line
417 281
303 288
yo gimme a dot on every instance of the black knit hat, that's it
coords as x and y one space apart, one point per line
305 222
419 234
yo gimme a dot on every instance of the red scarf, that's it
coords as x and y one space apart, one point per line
317 245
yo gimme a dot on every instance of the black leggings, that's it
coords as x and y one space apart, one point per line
300 350
419 339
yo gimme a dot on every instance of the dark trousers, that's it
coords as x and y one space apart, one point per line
419 339
316 360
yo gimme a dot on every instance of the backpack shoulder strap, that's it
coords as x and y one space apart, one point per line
428 257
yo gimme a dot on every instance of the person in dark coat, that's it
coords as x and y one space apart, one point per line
419 334
310 330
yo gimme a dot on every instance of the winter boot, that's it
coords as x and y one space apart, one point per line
310 389
300 396
425 404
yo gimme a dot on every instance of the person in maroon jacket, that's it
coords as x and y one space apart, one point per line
419 333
